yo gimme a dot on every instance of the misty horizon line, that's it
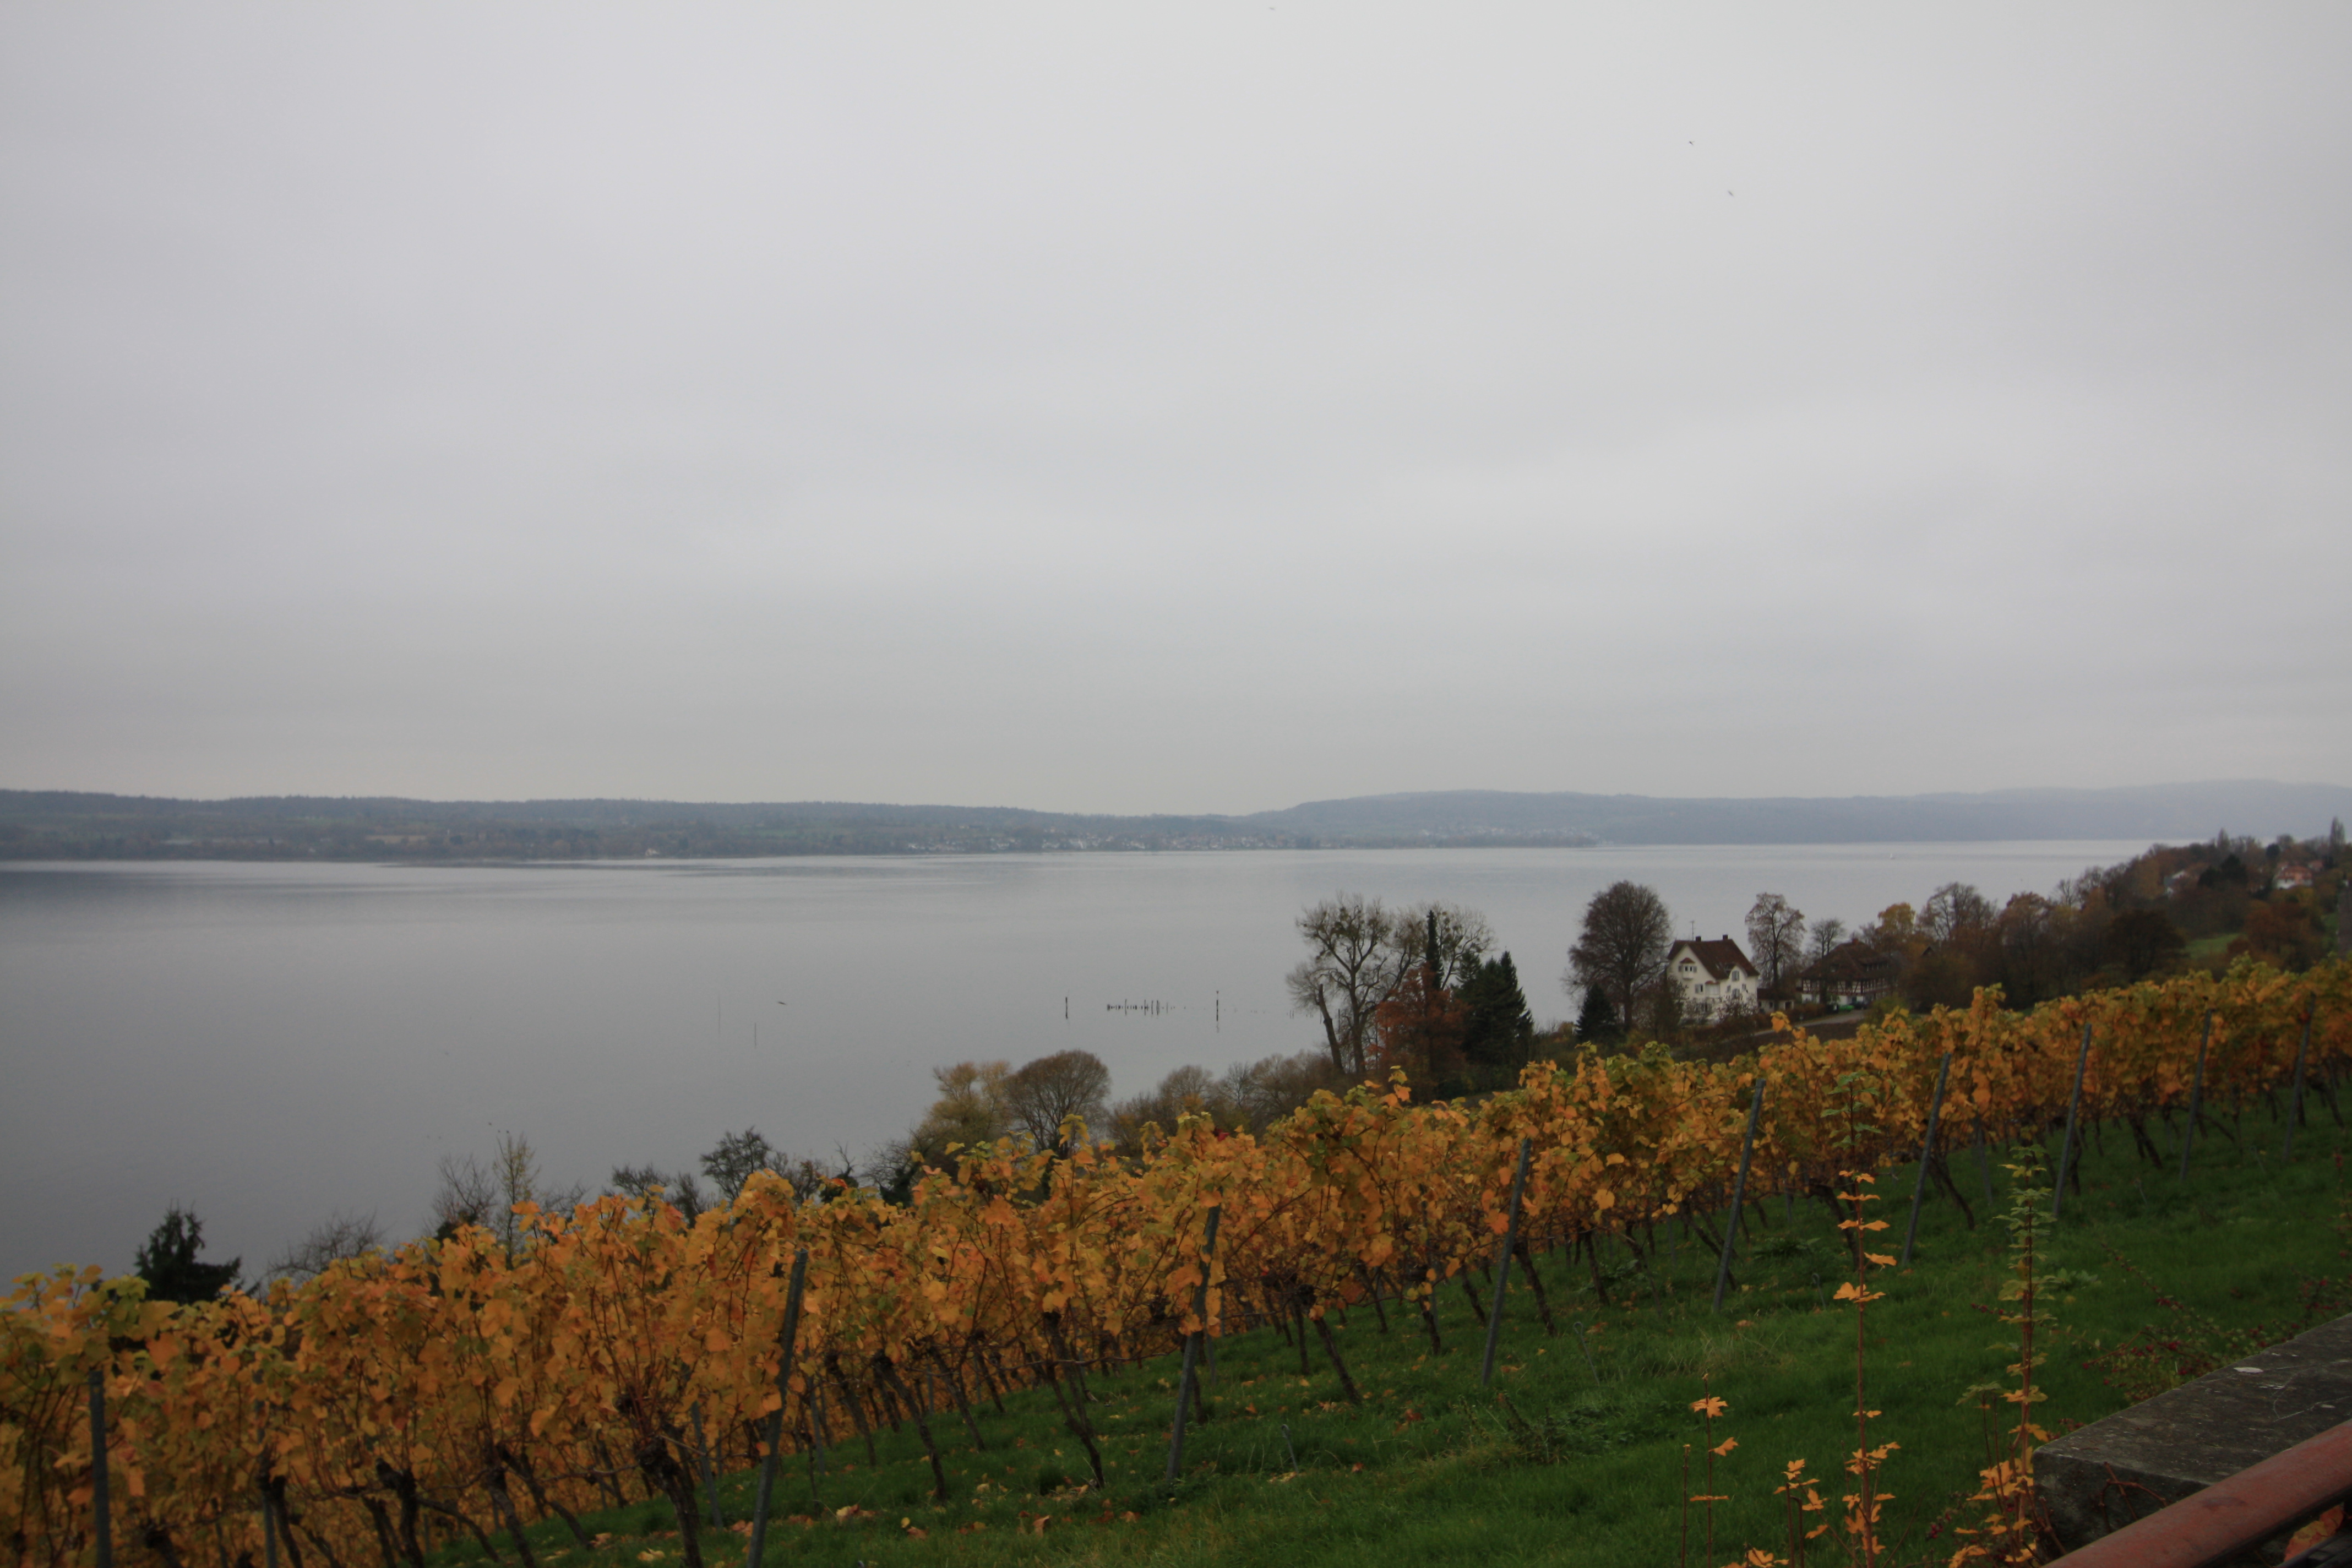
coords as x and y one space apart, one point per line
86 826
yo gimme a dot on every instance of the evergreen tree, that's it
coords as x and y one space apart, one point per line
1500 1030
168 1261
1597 1023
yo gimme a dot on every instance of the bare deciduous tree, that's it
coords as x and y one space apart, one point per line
731 1166
732 1160
1463 940
486 1194
1187 1091
1957 915
1354 962
1264 1091
469 1195
1249 1097
1622 949
1044 1094
1776 939
338 1239
683 1192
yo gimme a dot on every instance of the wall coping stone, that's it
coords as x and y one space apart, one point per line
2101 1476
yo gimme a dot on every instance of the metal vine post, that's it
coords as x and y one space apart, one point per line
792 1333
1738 1196
2295 1100
1193 1344
1927 1151
2074 1113
1503 1261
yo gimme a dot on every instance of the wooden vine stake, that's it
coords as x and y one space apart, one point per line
1503 1261
2074 1113
2196 1096
1926 1152
1738 1196
1193 1345
776 1422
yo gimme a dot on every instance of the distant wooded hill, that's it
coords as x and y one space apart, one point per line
2150 812
65 825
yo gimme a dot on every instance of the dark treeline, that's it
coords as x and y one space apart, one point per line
2169 909
2165 909
37 825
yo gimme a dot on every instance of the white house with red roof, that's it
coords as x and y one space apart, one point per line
1714 977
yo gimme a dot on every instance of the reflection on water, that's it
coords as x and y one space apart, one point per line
269 1043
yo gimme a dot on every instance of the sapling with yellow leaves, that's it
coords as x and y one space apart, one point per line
2009 1531
1707 1408
1862 1504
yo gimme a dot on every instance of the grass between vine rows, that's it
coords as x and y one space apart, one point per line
1428 1470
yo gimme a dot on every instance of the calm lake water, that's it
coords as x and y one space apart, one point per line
266 1044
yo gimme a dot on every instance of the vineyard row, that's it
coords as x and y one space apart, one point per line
453 1387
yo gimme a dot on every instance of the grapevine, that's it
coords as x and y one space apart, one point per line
402 1398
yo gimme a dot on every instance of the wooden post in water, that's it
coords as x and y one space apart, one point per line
1927 1151
101 1525
2074 1113
2295 1100
792 1332
1738 1196
1503 1260
2196 1096
1192 1346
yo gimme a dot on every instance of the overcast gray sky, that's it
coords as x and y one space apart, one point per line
1190 407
